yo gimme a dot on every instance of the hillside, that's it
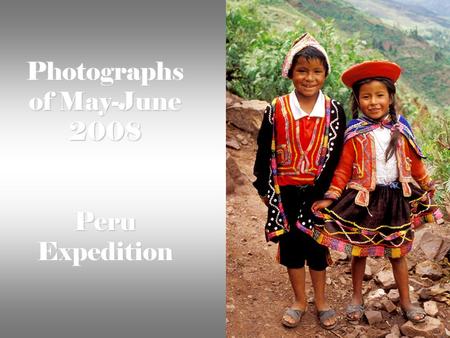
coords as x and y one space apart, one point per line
425 65
438 7
426 16
259 34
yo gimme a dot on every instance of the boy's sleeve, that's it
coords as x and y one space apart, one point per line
261 168
335 153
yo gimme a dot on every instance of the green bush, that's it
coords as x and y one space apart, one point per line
256 51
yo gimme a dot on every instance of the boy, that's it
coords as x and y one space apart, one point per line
299 144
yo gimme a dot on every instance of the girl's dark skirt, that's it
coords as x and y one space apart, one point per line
384 228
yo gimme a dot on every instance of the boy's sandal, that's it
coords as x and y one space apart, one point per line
354 313
295 314
327 314
415 315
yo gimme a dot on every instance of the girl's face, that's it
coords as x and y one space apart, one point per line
374 99
308 77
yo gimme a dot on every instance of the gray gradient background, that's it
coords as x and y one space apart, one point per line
172 181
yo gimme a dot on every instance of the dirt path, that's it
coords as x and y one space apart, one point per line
258 289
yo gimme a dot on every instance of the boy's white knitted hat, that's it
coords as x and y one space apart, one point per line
304 41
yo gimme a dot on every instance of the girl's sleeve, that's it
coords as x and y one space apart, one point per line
261 168
419 171
343 171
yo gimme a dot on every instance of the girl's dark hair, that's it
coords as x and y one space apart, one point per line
390 86
309 53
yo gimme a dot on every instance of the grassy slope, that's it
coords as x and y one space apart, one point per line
403 15
422 71
429 124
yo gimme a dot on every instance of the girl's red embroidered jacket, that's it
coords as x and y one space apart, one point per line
357 168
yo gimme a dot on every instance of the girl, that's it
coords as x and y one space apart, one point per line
301 136
375 202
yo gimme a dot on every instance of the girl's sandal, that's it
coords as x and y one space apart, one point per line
354 313
416 315
327 314
296 316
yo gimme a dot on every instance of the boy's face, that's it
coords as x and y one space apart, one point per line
308 77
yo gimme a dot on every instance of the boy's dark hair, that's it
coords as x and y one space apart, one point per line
309 53
390 86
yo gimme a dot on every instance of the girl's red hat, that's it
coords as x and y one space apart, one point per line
368 69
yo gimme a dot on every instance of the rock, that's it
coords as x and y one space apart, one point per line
232 99
396 330
230 307
442 299
342 280
379 293
434 246
234 174
340 256
373 317
247 115
354 334
328 281
391 335
437 289
366 289
367 272
374 305
375 264
411 263
393 295
241 138
388 305
232 143
429 269
414 297
230 186
431 308
432 327
424 293
386 279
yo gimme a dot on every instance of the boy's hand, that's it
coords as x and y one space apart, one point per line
319 205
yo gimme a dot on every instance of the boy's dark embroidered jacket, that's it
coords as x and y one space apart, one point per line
281 161
357 166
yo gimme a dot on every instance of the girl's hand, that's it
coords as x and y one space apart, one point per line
319 205
426 198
